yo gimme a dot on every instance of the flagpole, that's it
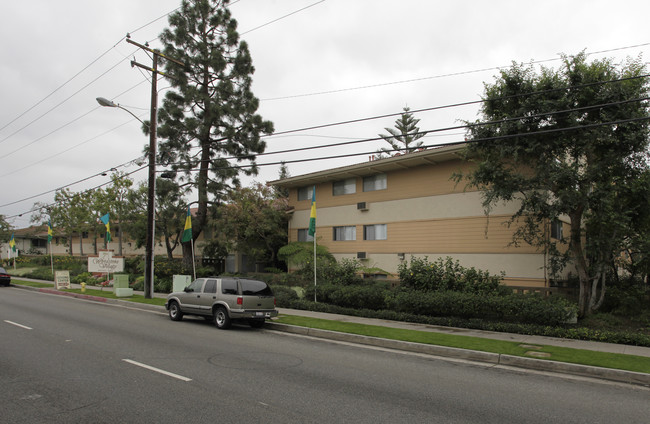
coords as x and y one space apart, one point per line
193 260
315 268
51 259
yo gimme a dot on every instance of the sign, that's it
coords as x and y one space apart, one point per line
62 280
105 262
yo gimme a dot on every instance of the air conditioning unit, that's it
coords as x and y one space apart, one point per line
361 255
362 206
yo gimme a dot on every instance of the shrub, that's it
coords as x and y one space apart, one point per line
446 275
523 309
368 296
284 296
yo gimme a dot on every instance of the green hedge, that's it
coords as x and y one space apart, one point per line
567 332
513 308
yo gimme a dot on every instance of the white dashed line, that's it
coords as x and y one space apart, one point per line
18 325
158 370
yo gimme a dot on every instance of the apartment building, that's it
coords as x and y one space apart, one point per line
385 211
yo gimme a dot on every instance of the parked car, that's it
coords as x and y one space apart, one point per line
224 299
5 279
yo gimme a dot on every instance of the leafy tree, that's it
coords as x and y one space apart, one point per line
254 222
565 144
403 138
171 208
208 118
115 202
5 229
70 214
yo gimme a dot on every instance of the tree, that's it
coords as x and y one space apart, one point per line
254 222
5 228
403 138
209 117
114 198
566 144
171 208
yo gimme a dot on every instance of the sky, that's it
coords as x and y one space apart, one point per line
317 62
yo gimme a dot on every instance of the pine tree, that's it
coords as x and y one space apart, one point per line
403 137
209 117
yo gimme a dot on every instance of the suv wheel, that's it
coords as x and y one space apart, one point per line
175 312
221 318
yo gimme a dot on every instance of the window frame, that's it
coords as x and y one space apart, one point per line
374 231
345 184
341 231
309 193
307 237
382 179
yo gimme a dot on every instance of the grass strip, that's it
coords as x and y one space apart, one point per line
559 354
137 298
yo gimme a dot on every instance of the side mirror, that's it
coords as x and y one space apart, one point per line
187 290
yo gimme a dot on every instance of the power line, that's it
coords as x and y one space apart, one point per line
453 74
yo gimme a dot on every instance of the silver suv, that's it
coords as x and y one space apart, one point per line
224 299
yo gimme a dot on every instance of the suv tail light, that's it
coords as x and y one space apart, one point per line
240 300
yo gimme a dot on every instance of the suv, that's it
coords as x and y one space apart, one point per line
224 299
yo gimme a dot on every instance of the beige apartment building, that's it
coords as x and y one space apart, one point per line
385 211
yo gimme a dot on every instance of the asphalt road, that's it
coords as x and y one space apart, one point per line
65 360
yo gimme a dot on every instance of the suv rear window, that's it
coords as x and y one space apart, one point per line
255 288
228 286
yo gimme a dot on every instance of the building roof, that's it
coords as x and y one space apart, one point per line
394 163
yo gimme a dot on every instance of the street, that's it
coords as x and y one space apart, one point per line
65 360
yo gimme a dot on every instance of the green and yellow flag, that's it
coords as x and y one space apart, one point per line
312 215
12 242
187 231
105 220
50 233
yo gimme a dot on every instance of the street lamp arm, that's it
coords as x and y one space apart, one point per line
108 103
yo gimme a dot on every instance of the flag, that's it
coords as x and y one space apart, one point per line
50 233
12 242
187 231
105 220
312 215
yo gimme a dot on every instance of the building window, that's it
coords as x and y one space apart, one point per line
305 193
303 235
345 233
84 234
375 232
347 186
39 243
556 229
374 182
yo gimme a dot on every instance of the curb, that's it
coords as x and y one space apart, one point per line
629 377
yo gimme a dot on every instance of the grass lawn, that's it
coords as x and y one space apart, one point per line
560 354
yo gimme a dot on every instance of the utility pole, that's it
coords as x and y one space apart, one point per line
151 201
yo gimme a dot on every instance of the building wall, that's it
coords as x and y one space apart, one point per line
426 214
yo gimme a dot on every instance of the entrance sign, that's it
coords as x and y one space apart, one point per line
62 280
105 262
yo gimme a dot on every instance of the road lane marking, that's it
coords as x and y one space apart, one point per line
158 370
18 325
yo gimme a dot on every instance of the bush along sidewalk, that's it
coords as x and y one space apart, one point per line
567 332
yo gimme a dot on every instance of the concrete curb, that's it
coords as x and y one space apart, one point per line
629 377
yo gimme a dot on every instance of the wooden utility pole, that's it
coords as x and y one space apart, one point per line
151 202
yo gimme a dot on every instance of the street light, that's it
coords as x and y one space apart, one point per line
108 103
151 205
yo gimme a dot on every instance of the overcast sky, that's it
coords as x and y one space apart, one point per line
317 62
